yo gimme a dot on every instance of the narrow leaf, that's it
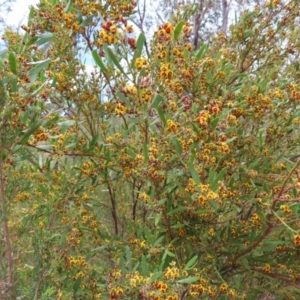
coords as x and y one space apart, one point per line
177 146
68 6
34 71
155 276
189 279
144 266
201 51
99 61
176 210
128 258
161 115
178 29
158 241
194 173
124 99
29 132
45 38
76 284
139 47
245 263
12 63
191 262
156 101
115 60
157 219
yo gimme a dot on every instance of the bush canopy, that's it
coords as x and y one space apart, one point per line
170 172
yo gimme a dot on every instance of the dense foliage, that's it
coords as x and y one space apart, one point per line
169 174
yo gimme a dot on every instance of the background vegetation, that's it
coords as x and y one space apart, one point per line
170 171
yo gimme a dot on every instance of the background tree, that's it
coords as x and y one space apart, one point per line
5 7
206 17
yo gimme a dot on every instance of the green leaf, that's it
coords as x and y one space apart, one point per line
157 218
176 210
139 47
64 125
131 153
22 157
76 284
45 38
214 123
68 6
29 132
16 148
211 178
34 71
115 60
30 16
155 276
124 99
254 163
93 142
194 173
63 240
161 115
144 266
156 101
176 226
128 258
32 41
99 61
178 29
220 176
263 85
136 267
3 53
100 248
177 146
191 262
158 241
245 263
260 214
86 21
248 33
169 253
122 264
271 245
189 279
44 147
202 51
12 63
50 122
214 205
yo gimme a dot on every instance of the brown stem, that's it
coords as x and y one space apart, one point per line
164 211
285 183
113 207
8 247
134 201
280 277
268 219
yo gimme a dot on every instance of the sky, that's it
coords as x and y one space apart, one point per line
19 13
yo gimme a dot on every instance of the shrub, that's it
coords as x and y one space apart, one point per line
172 175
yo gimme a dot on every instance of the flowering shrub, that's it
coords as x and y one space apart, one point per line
168 175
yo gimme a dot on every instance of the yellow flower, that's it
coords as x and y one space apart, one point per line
140 63
172 126
113 29
129 28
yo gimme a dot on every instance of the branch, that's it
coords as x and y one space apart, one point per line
8 247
